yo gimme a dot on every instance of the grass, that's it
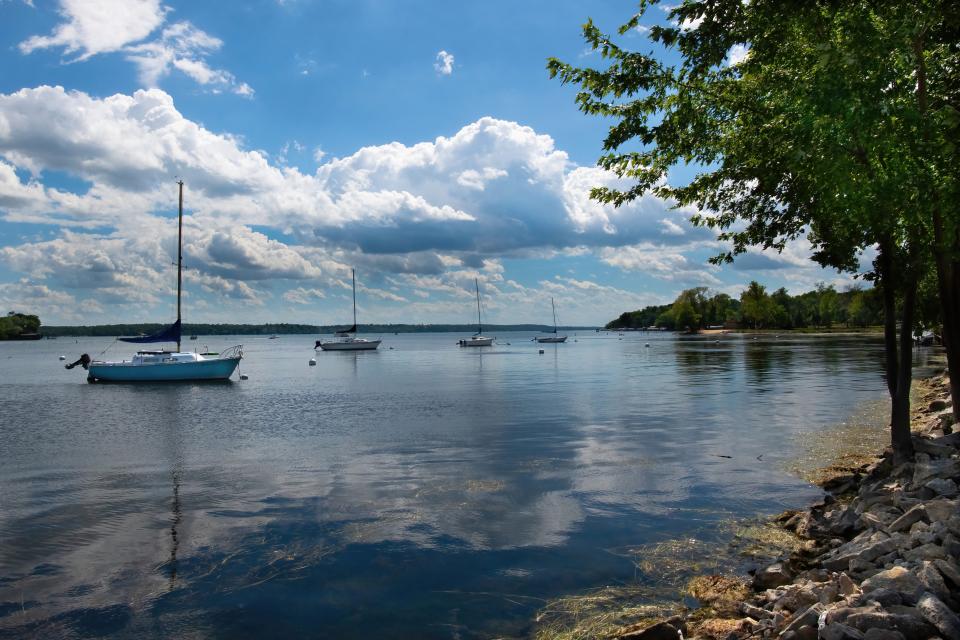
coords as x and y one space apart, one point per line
673 576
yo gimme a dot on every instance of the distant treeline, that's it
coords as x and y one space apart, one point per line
112 330
13 325
756 309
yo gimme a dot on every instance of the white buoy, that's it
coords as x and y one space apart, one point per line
63 357
647 344
313 362
243 376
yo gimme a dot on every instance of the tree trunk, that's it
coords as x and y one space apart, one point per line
898 357
885 273
948 280
900 410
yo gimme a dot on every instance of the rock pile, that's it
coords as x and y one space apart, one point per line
879 559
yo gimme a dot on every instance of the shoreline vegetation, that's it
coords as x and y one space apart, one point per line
824 308
19 326
874 559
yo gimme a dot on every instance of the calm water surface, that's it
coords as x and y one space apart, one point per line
421 491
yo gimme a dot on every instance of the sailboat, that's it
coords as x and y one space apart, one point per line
477 339
348 339
554 338
162 365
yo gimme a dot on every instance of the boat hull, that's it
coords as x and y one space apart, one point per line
476 342
214 369
367 345
552 339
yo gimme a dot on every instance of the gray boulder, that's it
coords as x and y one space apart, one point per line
846 586
949 570
840 631
772 576
929 551
938 615
943 486
882 596
942 509
807 618
866 550
911 625
882 634
931 579
935 468
951 546
904 522
896 579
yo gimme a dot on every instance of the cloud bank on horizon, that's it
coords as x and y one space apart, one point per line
91 177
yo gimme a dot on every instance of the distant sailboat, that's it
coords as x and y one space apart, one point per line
477 339
554 338
349 341
161 365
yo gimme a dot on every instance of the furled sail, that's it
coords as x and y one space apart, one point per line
167 334
344 332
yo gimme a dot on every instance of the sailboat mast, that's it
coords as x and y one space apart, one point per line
179 256
554 307
476 283
353 275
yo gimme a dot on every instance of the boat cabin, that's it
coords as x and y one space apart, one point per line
165 357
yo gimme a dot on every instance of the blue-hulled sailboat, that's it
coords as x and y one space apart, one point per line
160 365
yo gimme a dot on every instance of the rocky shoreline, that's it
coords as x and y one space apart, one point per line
878 558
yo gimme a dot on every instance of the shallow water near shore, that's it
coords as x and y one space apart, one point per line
420 491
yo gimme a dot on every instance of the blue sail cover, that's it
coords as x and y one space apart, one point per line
168 334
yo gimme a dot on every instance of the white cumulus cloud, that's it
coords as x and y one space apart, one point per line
443 64
93 27
90 27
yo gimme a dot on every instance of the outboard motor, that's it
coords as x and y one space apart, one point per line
83 361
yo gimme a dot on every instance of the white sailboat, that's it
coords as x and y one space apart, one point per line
554 338
477 339
348 339
160 365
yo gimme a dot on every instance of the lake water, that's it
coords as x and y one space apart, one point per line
420 491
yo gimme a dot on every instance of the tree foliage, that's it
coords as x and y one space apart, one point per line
14 325
839 127
755 308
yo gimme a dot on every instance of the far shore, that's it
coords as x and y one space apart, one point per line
268 329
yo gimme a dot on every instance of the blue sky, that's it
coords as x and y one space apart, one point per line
421 142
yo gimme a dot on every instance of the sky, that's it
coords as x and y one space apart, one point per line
421 143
